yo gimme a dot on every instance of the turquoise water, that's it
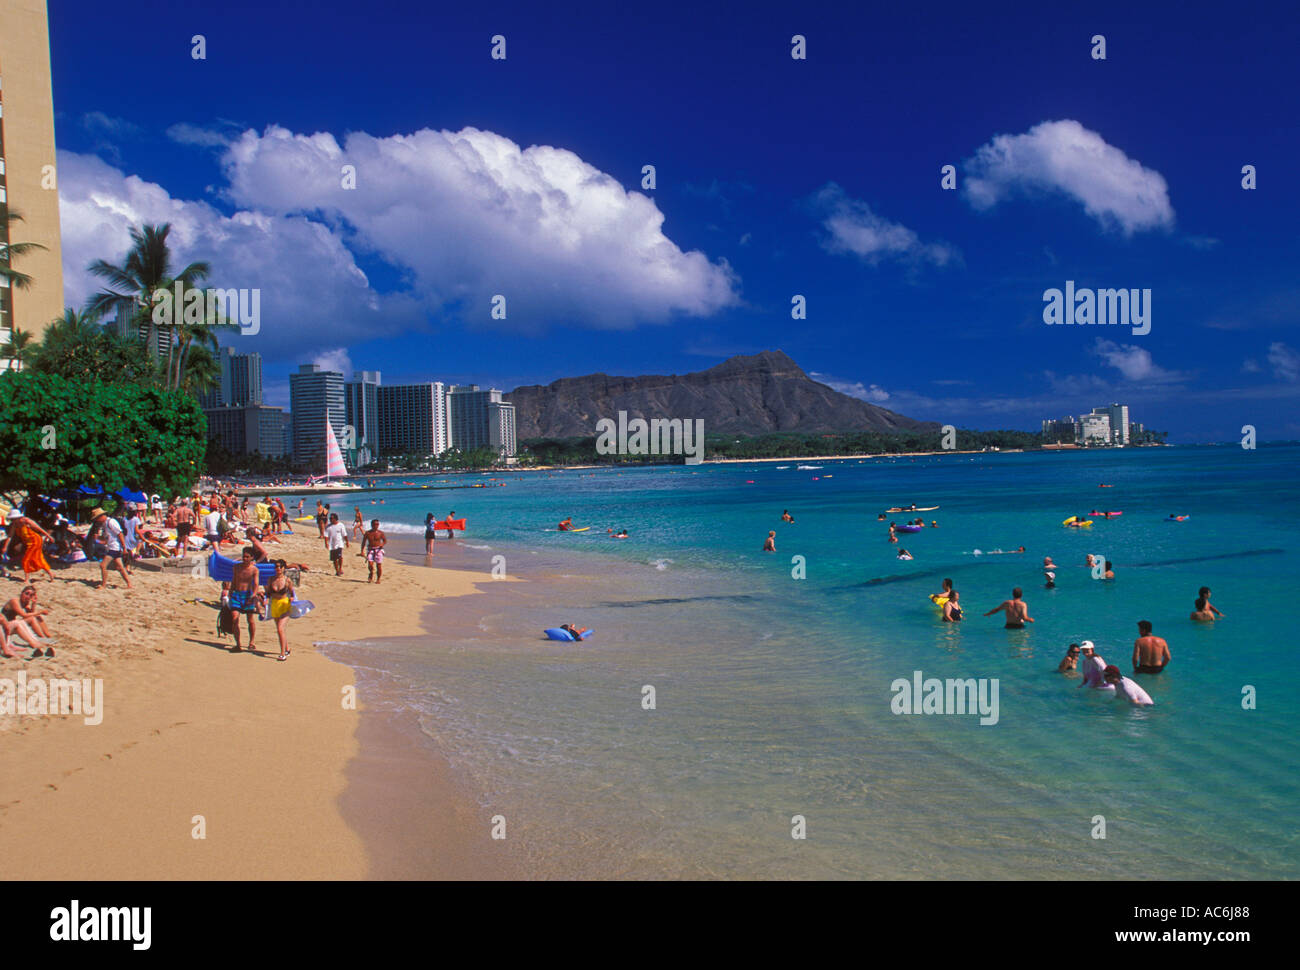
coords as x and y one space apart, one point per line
773 693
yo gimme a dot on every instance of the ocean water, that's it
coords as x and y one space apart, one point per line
773 693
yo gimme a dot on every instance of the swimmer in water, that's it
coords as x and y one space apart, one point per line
1089 560
1127 689
574 631
770 544
1016 609
1205 611
1093 667
904 554
934 523
880 517
786 516
947 588
1070 661
1110 573
1049 572
951 610
1150 653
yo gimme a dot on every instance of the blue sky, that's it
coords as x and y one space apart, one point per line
775 177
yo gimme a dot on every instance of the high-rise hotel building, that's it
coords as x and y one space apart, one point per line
413 419
28 182
315 396
480 419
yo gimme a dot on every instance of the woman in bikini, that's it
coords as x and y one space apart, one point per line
24 607
279 592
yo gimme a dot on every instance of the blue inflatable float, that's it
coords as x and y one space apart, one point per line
223 570
555 633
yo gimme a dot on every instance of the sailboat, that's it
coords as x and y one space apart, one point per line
334 467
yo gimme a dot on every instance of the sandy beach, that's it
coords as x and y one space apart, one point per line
213 765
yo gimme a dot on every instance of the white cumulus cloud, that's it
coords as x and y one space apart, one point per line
1284 361
469 214
854 228
863 392
1134 363
1065 157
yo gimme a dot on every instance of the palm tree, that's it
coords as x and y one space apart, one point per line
202 369
8 250
20 347
192 337
146 269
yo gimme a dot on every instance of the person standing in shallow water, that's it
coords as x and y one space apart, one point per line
1205 611
1016 609
770 544
430 533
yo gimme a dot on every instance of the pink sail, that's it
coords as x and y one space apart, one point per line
333 455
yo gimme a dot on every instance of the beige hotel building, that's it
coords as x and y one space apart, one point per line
27 175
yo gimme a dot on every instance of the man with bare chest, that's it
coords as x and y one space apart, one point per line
1016 609
372 546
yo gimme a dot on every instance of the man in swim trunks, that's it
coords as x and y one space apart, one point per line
564 526
184 518
372 546
1070 661
1205 611
951 609
1150 653
1049 572
245 588
1017 610
1127 689
1093 668
770 544
452 514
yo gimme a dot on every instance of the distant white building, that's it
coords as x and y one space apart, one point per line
480 419
1117 415
1093 430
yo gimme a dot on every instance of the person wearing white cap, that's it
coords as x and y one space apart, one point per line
1093 667
1049 572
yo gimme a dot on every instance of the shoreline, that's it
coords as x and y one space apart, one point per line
212 765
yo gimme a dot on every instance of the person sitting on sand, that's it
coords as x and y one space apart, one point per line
1016 609
1150 653
770 544
786 516
574 631
1093 666
951 609
24 607
1049 572
1070 661
904 554
1127 689
12 628
280 593
245 590
1205 611
372 547
564 526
